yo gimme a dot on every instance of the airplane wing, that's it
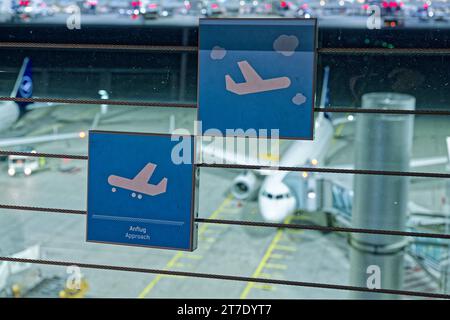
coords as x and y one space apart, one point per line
248 72
215 153
425 162
12 142
42 105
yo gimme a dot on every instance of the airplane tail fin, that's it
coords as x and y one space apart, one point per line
23 87
324 97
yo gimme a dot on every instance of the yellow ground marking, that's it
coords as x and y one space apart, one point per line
285 248
277 256
263 262
266 287
277 266
180 254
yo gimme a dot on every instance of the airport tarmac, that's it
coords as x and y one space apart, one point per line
302 255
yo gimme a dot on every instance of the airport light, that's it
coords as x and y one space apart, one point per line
11 172
322 3
27 171
311 195
305 175
350 117
82 135
314 162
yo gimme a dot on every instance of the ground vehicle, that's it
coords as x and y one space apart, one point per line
23 164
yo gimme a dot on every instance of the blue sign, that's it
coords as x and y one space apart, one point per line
257 74
141 190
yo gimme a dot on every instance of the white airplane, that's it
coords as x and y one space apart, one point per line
11 111
253 82
282 193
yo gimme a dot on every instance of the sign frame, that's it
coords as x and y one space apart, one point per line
314 71
193 225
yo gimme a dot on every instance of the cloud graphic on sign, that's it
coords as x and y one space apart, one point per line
218 53
285 45
299 99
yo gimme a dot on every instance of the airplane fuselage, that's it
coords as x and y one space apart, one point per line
9 114
275 199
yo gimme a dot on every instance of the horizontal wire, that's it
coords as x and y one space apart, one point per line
43 154
194 49
102 101
77 46
396 51
225 277
186 105
256 224
329 170
322 228
255 167
433 112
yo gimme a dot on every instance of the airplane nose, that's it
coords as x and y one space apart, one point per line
274 212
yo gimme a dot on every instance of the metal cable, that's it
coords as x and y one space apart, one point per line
329 170
257 224
194 49
254 167
160 104
98 46
102 101
41 154
396 51
226 277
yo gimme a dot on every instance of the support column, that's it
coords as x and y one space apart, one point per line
382 142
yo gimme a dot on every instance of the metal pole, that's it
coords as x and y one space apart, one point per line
383 142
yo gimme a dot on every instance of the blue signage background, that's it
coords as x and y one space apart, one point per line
274 48
164 220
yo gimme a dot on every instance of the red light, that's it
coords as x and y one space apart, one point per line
24 3
401 4
385 4
136 3
365 6
425 5
214 6
152 6
392 24
283 4
305 6
393 4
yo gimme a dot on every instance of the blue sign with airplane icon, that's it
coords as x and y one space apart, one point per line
141 190
257 74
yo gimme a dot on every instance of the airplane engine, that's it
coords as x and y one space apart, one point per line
245 186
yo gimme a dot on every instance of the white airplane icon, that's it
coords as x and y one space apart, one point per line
253 82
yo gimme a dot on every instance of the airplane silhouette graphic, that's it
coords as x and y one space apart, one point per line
139 183
253 82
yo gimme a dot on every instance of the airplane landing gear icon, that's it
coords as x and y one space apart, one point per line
139 184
